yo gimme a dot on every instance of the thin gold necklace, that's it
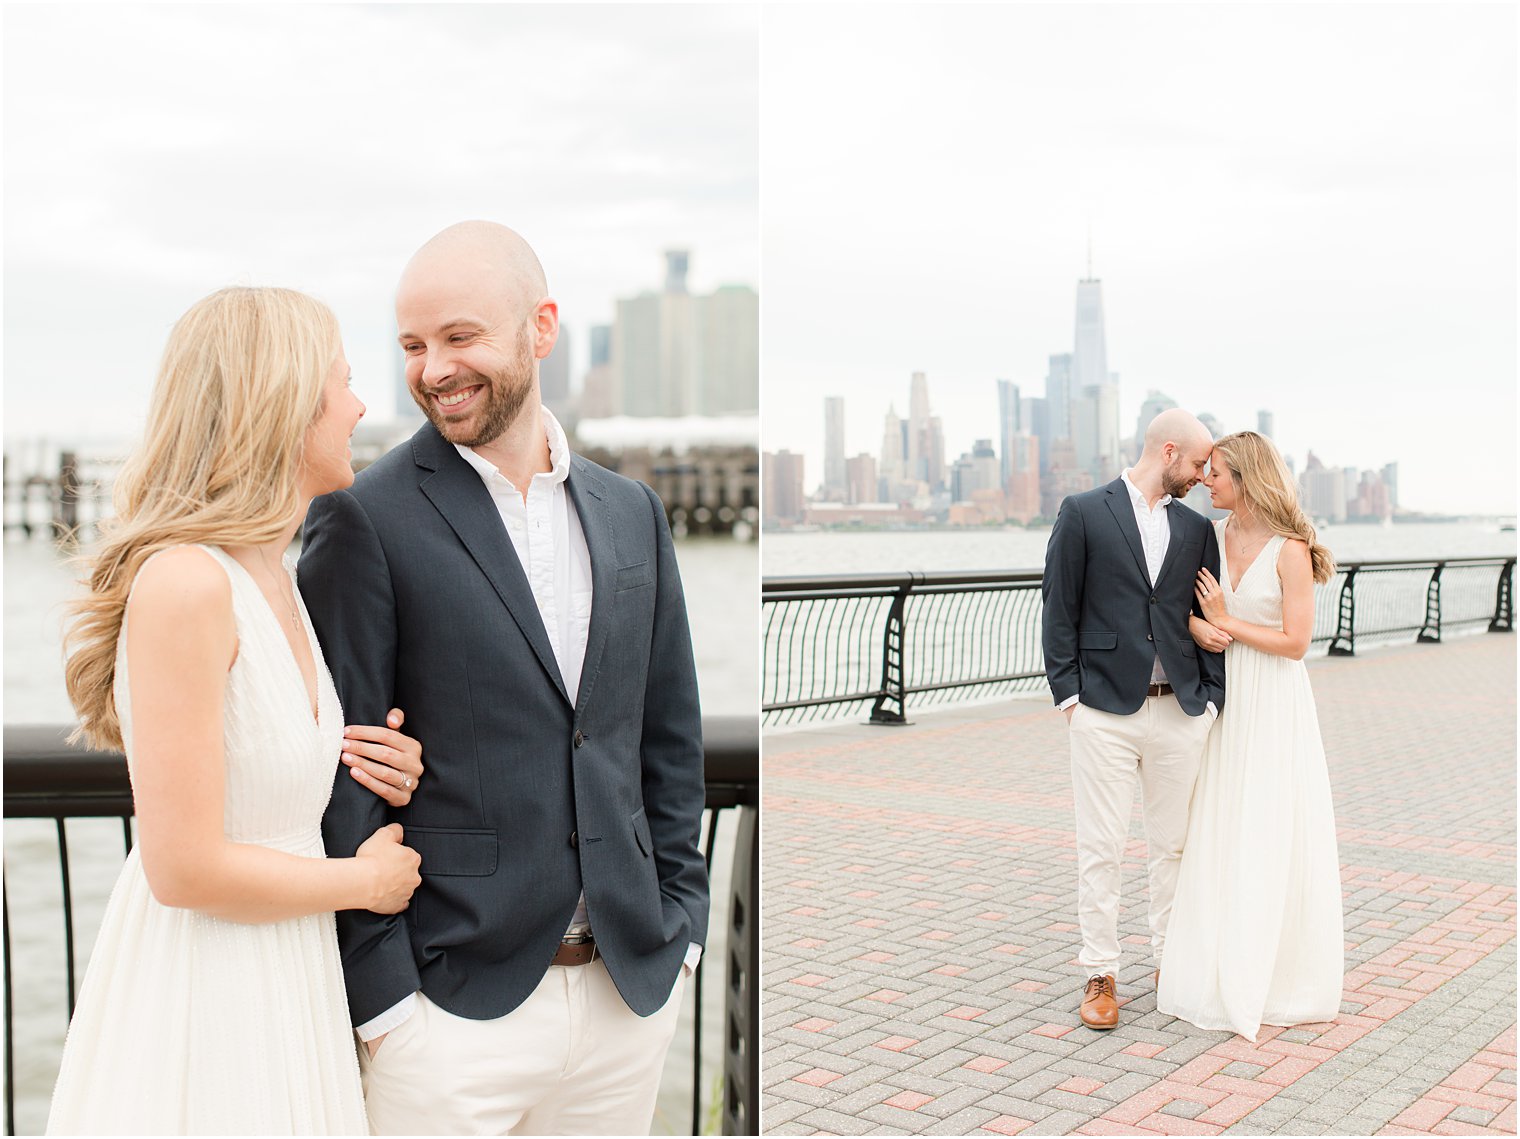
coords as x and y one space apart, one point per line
295 617
1256 543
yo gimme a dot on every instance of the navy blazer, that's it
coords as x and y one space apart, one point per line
420 603
1105 621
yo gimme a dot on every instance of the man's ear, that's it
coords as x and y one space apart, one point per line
545 327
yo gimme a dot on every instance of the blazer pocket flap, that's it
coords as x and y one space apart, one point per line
641 833
631 577
1189 649
445 850
1098 640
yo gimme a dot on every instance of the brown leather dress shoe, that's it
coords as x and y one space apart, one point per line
1100 1004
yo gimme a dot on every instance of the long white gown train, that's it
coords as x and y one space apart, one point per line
1257 935
192 1025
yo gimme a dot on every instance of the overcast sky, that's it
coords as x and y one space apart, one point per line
1306 208
155 153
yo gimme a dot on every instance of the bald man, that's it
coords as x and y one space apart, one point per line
1137 692
523 605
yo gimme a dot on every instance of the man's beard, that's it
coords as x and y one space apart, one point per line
502 397
1174 482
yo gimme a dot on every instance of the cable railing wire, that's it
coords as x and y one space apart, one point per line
836 645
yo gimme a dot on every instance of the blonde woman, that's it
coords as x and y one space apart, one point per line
1257 933
214 1001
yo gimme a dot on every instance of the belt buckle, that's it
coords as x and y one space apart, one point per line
576 939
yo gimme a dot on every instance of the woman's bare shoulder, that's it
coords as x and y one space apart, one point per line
183 582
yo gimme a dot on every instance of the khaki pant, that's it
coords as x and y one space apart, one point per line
572 1059
1161 747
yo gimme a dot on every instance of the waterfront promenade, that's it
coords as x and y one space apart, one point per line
919 921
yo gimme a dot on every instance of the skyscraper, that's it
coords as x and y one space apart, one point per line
1010 423
1036 418
651 354
1391 481
1089 357
977 470
860 479
554 374
1058 396
833 445
893 462
918 425
726 363
782 487
675 354
1155 403
1091 380
598 400
1022 488
1322 490
934 454
1264 423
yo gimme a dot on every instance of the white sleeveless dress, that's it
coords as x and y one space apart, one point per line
1256 934
188 1024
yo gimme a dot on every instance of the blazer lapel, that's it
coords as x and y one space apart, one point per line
1174 521
1124 514
455 490
587 495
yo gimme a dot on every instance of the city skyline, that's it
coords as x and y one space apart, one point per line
233 145
1006 481
1340 249
1046 446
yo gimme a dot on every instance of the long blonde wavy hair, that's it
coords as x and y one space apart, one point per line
241 380
1266 489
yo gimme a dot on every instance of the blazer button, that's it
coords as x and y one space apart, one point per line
1148 637
579 738
575 838
1153 601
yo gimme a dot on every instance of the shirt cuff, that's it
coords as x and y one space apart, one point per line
1213 711
1068 702
393 1017
693 955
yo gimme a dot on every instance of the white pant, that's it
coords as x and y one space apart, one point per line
572 1059
1163 746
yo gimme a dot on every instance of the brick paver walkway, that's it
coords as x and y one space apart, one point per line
919 925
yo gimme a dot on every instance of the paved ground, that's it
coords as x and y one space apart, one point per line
920 917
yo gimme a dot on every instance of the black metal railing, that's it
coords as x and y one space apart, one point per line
46 778
839 645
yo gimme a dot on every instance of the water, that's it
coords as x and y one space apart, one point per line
718 576
835 647
785 553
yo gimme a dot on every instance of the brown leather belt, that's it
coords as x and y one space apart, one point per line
1159 690
581 951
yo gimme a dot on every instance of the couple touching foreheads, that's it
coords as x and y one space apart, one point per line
521 606
1176 649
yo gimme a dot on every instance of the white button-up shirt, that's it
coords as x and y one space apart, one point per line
1155 536
547 537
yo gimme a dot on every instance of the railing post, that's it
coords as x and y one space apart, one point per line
10 1051
66 504
1504 604
741 1057
1430 631
892 662
1345 622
